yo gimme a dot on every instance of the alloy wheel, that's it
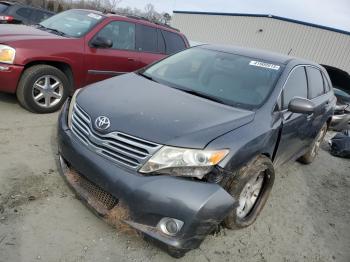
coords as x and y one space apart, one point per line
250 195
47 91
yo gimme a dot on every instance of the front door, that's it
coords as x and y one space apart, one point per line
102 63
296 127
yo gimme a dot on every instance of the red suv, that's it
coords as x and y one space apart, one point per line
43 64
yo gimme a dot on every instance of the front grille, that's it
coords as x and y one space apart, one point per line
95 192
120 148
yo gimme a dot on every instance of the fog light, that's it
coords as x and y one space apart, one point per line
170 226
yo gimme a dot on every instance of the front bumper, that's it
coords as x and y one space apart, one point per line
145 200
9 77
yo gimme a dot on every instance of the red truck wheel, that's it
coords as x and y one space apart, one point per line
43 89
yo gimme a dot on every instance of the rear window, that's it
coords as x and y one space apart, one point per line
24 12
3 7
174 43
315 82
39 16
146 39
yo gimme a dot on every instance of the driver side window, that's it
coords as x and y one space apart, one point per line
296 86
121 33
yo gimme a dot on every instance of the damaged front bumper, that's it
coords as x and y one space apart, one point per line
124 196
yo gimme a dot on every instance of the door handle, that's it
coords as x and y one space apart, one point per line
309 117
131 59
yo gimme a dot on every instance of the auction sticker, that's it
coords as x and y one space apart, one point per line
265 65
95 16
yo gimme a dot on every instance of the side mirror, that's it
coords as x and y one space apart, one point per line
301 106
101 42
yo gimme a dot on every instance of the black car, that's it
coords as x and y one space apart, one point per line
341 117
17 13
192 142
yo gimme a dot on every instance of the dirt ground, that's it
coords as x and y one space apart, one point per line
307 217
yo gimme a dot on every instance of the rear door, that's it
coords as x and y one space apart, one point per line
122 57
295 127
150 43
318 95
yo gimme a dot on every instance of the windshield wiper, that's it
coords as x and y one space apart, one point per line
196 93
56 31
40 26
147 76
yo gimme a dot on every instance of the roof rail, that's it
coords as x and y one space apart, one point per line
148 20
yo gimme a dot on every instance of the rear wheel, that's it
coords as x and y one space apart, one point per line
43 89
310 155
250 187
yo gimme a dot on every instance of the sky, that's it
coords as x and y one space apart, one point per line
331 13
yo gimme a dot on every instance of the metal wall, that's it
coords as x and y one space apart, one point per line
316 44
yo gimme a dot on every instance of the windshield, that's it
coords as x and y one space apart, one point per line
73 23
229 78
3 7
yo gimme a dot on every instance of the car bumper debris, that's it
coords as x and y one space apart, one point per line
124 197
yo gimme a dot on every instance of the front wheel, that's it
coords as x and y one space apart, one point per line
250 187
43 89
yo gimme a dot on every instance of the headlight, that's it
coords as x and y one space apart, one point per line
183 162
7 54
71 106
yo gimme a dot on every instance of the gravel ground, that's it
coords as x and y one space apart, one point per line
307 217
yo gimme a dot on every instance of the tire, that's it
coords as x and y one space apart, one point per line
311 154
50 82
175 252
258 173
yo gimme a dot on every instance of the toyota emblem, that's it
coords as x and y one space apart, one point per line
102 123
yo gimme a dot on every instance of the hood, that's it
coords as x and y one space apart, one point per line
11 33
158 113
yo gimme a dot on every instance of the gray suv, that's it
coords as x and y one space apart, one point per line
191 142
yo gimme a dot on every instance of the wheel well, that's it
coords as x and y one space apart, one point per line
64 67
267 155
329 122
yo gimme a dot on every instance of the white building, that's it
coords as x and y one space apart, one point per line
327 46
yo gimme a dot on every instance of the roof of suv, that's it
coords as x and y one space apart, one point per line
134 18
258 53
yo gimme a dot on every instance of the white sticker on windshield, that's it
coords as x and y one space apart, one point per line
94 16
265 65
